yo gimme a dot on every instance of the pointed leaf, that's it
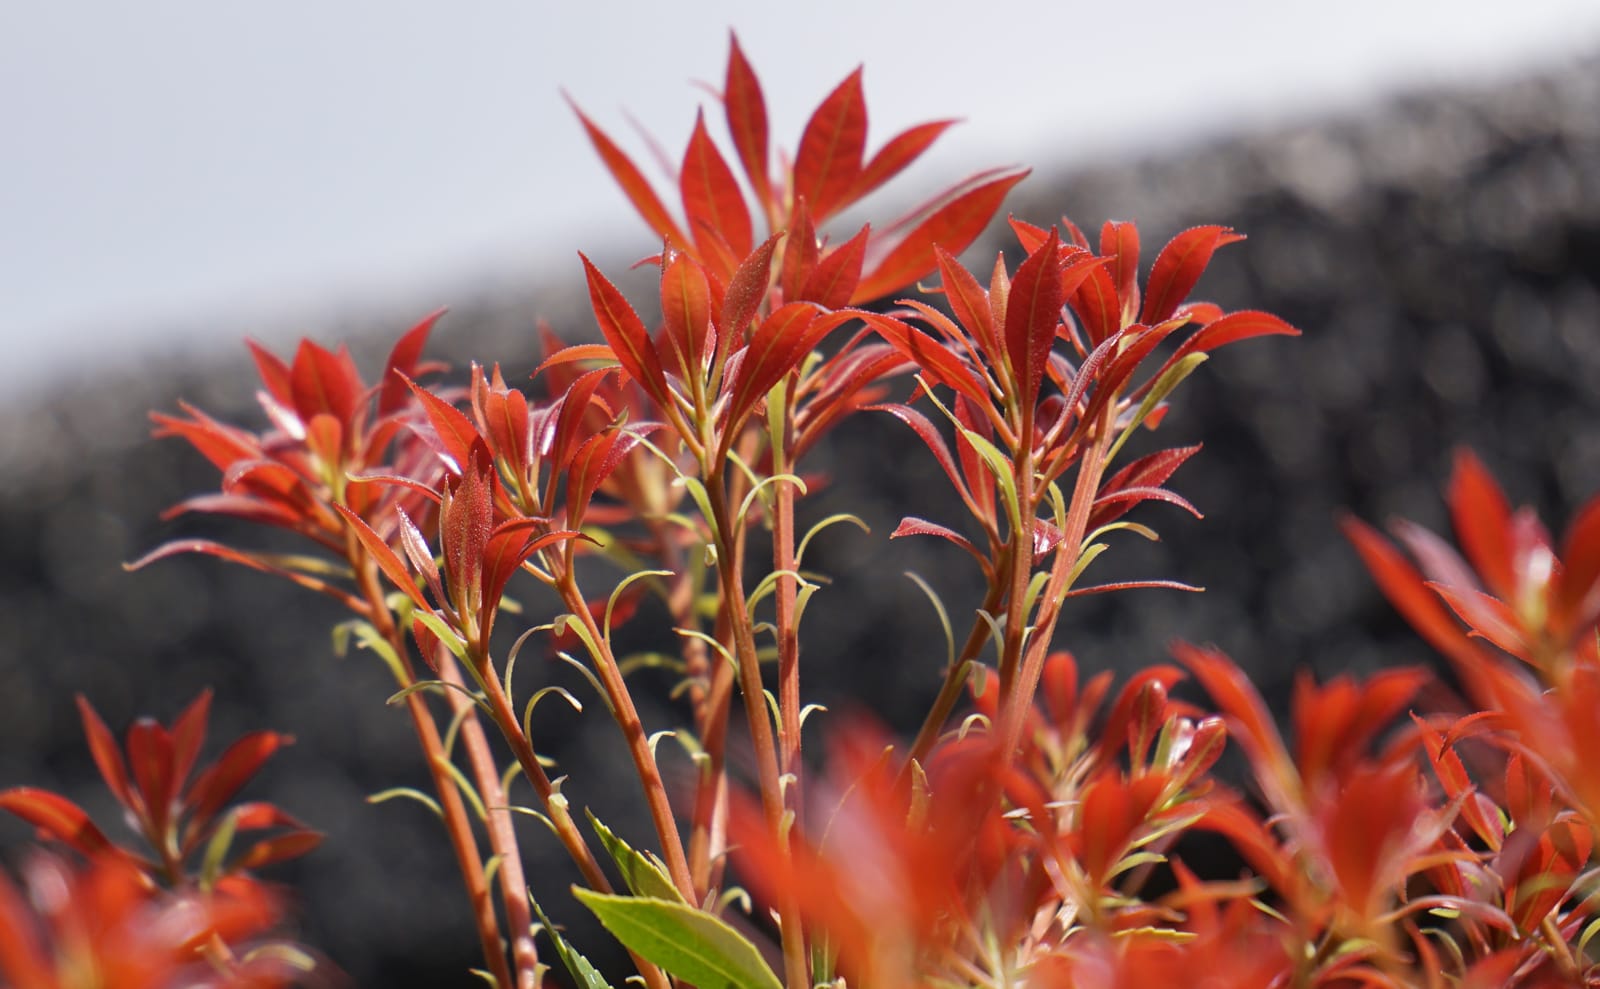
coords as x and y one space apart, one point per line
103 746
56 816
232 770
899 152
746 111
953 226
455 431
403 358
936 361
322 381
913 526
1178 267
1033 310
385 557
829 159
693 946
1120 243
836 275
686 315
634 185
279 848
626 334
711 197
1482 519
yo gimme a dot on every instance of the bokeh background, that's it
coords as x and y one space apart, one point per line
1420 182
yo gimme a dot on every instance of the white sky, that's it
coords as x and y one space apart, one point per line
173 163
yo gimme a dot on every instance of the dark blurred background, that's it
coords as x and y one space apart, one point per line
1440 248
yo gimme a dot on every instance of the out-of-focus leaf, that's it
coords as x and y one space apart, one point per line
56 816
711 197
634 185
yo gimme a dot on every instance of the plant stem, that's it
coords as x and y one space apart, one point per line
502 833
454 812
730 572
955 679
627 718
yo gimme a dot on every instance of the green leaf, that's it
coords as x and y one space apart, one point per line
586 975
643 876
694 946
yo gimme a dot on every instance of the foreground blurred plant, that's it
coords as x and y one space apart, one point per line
1037 836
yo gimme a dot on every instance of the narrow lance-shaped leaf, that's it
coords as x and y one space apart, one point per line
626 334
711 197
746 111
103 746
56 816
837 273
404 357
1120 243
932 357
455 431
1032 313
686 315
954 226
634 185
897 153
829 158
1179 266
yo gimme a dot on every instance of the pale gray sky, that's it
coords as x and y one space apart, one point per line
172 160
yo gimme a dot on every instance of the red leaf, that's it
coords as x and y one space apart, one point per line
633 183
575 405
625 333
509 545
1095 301
276 849
746 111
1405 589
1179 266
188 734
900 151
150 757
455 431
1482 519
465 521
273 371
232 770
385 557
953 226
1234 327
594 461
1234 694
912 526
56 816
742 301
800 253
212 548
322 381
221 444
836 275
418 553
686 315
1132 496
968 300
1577 589
107 756
1033 310
936 445
711 197
403 358
829 159
936 361
777 347
578 352
1120 242
1487 615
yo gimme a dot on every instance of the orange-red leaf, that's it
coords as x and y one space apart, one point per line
1033 310
1482 519
56 816
711 197
634 185
829 159
746 111
900 151
953 226
403 358
625 332
103 746
1179 266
